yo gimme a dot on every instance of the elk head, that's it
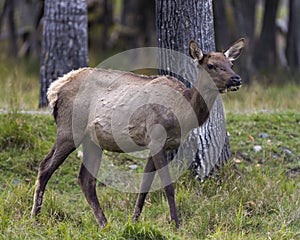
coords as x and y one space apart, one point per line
219 65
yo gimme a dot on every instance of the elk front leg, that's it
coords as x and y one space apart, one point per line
147 179
87 178
161 165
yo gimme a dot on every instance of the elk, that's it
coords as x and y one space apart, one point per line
143 131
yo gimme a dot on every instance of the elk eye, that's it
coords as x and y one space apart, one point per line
210 66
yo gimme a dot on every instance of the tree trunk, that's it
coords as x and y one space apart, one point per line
2 15
221 25
148 22
65 41
244 25
293 38
138 22
265 49
13 50
107 22
31 13
178 22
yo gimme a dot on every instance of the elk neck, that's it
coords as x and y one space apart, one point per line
202 96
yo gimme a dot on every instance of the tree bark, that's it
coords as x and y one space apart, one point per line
31 13
265 49
13 50
221 25
293 38
244 25
2 15
178 22
107 22
65 41
138 22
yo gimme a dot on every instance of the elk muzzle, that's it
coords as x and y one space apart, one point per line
234 83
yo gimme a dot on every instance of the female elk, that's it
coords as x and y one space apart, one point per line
116 92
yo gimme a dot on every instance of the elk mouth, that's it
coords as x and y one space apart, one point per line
234 88
234 84
230 89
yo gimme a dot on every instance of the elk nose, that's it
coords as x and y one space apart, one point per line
236 80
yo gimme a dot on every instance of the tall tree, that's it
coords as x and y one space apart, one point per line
293 38
178 22
9 8
244 25
65 41
265 49
107 20
31 13
221 24
138 22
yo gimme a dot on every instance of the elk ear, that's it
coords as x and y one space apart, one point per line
233 52
195 51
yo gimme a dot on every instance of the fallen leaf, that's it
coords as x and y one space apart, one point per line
236 160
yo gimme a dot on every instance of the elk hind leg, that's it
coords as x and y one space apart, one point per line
147 179
60 151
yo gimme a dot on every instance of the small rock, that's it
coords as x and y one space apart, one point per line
257 148
287 151
15 181
263 135
133 166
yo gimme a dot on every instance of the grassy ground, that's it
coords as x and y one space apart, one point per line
255 196
19 84
258 97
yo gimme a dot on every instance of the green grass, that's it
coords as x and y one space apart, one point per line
254 196
259 97
19 84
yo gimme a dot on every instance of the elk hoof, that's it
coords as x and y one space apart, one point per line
175 222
